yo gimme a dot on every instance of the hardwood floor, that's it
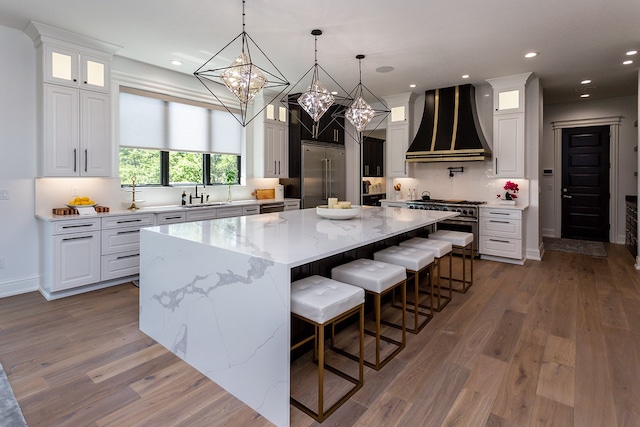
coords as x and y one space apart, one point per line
551 343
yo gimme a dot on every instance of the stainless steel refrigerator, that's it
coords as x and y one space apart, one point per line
323 174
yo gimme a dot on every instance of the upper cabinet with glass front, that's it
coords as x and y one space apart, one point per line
76 69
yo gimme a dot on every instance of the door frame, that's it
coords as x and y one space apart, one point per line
614 138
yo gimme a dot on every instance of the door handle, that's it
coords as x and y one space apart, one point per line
567 197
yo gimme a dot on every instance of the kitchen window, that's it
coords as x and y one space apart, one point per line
169 141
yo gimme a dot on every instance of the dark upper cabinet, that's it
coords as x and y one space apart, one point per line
373 157
328 129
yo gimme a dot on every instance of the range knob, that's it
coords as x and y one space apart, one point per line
464 211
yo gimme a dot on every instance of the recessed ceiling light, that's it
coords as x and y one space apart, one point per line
465 76
531 55
176 62
584 95
385 69
632 52
412 85
627 62
585 82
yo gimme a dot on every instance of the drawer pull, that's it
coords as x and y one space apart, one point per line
77 226
128 232
499 241
125 221
499 222
78 238
173 217
128 256
500 213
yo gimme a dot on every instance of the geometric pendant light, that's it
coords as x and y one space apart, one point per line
315 98
360 112
244 78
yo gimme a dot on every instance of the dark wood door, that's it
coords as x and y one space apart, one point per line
585 183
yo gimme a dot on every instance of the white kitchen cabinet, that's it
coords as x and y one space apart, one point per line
201 214
251 210
75 254
276 150
508 145
77 132
509 120
74 113
164 218
75 68
398 134
230 211
291 205
501 233
120 245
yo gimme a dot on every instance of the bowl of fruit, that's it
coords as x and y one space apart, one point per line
81 202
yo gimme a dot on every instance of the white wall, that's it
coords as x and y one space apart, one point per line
627 107
19 240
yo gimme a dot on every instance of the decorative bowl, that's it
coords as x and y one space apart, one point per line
325 212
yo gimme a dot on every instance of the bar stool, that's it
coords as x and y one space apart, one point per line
463 241
415 261
377 279
439 249
320 301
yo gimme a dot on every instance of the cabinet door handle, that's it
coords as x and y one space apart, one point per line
78 238
499 241
86 159
366 170
500 222
378 170
128 256
128 232
278 167
274 167
75 160
496 165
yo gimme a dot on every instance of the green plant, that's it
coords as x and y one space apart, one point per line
231 176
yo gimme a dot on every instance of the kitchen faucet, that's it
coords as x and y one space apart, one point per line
201 195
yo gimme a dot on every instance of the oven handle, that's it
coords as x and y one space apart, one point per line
460 221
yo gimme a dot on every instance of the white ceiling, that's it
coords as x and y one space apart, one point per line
430 43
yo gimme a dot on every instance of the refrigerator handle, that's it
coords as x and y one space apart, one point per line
330 170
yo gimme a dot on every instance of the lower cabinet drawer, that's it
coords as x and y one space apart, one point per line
500 246
170 218
229 212
118 240
120 265
510 228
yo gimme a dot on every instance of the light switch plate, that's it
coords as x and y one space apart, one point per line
4 194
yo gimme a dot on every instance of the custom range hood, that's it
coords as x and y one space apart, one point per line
449 130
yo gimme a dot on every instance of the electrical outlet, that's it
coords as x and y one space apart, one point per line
4 194
74 191
1 262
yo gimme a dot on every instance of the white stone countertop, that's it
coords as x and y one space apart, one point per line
297 237
160 209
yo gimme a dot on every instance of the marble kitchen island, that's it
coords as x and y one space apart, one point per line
216 293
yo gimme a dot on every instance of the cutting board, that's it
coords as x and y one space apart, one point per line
266 194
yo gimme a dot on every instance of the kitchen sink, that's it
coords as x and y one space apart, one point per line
204 205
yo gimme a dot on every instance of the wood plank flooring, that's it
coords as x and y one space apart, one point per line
551 343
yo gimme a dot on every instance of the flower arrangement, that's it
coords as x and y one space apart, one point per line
511 188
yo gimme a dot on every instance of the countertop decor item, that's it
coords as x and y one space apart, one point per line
325 212
510 196
230 178
243 77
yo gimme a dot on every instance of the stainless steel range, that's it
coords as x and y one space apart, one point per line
467 220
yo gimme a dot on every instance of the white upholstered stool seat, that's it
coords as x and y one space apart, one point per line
320 301
377 279
463 242
414 261
439 249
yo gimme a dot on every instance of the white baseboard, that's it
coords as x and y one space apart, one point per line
19 286
88 288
